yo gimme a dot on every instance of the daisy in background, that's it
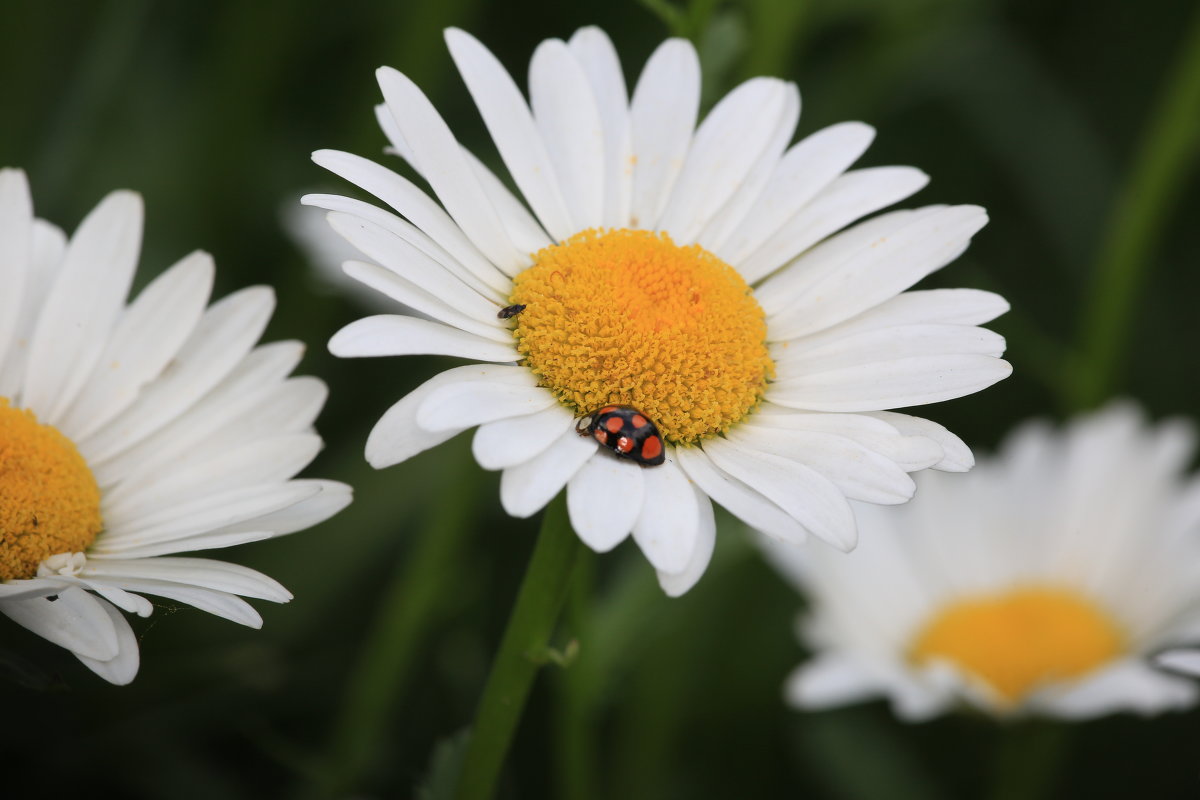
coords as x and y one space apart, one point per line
132 432
1041 583
698 274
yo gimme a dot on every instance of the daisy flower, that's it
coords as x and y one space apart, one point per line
129 432
1041 583
698 274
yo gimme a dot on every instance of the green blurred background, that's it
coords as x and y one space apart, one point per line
1037 110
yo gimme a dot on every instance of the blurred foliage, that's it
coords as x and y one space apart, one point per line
1035 110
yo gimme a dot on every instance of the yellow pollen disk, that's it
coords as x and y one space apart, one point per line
1019 641
49 500
628 317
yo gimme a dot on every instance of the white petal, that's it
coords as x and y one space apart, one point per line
910 450
596 54
515 440
49 244
224 335
16 252
858 472
252 401
83 303
226 606
677 584
411 294
668 529
122 668
514 131
927 307
851 196
732 214
523 230
201 572
1127 685
474 401
414 266
830 680
251 463
412 235
527 487
897 384
146 338
123 600
33 587
880 269
568 119
417 207
807 168
956 456
741 500
604 499
331 498
75 620
216 511
823 351
662 117
396 335
442 163
811 499
1186 662
397 436
205 541
723 151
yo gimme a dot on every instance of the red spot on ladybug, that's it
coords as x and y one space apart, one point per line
652 448
627 432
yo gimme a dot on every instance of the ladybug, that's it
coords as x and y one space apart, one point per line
627 432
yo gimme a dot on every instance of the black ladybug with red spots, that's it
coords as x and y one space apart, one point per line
627 432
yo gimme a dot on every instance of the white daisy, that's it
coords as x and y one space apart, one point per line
131 432
1038 584
696 274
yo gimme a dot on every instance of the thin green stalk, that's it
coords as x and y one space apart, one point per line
406 612
575 708
1163 162
1028 757
522 651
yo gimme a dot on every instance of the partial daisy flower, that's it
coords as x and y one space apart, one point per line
132 432
1040 584
694 277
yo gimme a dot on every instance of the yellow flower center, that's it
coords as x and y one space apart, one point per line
1020 640
49 500
627 317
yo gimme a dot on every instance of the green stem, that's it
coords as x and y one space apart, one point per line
1166 153
575 742
521 653
1027 760
407 611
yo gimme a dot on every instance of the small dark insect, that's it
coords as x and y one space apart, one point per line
627 432
35 520
510 311
52 598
